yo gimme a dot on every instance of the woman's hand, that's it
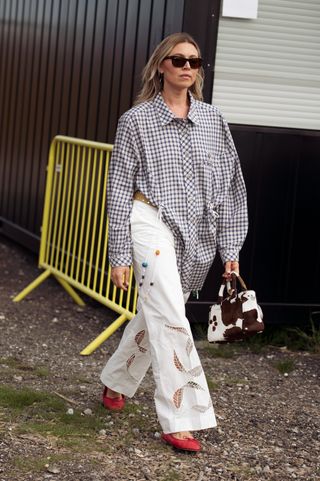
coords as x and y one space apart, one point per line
229 267
120 276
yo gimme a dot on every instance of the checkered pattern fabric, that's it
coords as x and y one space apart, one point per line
190 170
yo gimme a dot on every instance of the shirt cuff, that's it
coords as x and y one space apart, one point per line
117 260
229 254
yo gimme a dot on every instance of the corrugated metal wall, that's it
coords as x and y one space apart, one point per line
72 67
267 70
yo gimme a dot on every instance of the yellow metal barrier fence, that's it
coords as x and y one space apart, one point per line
74 230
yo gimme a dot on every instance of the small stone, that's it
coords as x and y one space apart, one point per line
266 469
82 388
2 317
285 374
70 411
55 320
138 452
87 412
290 469
157 435
53 470
102 432
135 431
17 378
111 423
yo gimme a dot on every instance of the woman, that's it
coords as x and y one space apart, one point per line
175 194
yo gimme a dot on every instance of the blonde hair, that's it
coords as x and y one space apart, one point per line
151 82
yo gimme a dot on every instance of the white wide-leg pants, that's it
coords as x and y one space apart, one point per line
160 333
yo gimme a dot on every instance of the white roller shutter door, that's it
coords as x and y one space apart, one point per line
267 70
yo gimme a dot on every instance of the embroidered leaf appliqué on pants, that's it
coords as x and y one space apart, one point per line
194 385
177 362
138 338
196 371
177 397
189 346
201 409
130 360
178 329
142 349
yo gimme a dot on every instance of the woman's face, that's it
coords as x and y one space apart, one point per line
179 77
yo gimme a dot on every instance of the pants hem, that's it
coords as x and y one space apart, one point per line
126 391
187 424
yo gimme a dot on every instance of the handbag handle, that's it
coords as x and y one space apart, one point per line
234 277
231 286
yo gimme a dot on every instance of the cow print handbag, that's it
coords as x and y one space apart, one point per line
236 316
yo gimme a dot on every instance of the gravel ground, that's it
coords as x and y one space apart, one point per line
268 420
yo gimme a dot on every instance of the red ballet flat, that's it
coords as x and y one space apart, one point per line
113 404
187 444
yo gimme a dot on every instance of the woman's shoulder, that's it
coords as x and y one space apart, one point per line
212 114
137 111
209 109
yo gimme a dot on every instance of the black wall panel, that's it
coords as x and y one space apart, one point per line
71 67
281 255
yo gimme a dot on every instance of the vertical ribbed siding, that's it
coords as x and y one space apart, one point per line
67 68
267 70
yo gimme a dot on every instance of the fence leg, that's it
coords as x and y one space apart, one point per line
104 335
70 291
32 286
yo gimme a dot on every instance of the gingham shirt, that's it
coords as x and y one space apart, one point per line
188 168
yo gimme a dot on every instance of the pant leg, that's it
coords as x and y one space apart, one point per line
128 365
182 397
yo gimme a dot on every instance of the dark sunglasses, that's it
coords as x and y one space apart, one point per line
181 61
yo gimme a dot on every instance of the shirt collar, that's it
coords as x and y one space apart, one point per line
165 114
